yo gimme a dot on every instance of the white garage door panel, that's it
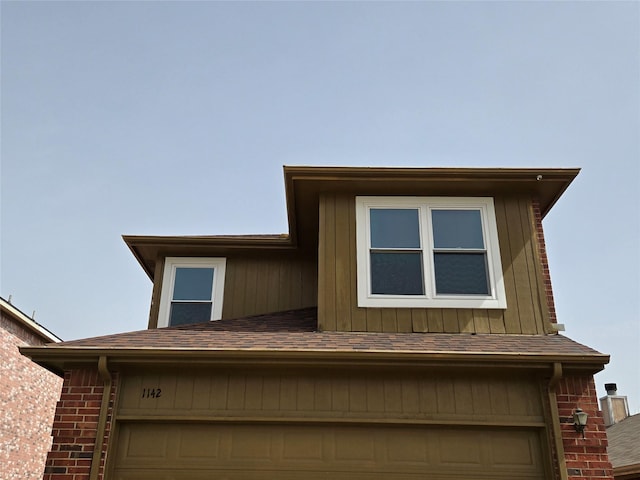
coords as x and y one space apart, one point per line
183 451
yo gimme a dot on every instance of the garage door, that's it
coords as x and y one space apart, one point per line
184 451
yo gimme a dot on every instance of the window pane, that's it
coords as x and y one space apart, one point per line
182 313
457 229
193 284
461 273
394 228
396 273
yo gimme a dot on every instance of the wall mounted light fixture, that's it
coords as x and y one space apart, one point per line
580 420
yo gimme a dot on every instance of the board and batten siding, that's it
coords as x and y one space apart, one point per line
345 423
268 284
256 285
346 396
526 313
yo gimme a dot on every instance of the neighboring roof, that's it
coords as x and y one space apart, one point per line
624 447
304 185
292 334
28 323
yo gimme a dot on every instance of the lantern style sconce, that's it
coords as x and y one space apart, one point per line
580 420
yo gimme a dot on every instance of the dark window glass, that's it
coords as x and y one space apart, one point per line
184 312
457 229
396 273
461 273
394 228
193 284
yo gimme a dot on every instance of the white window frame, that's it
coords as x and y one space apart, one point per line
496 298
218 264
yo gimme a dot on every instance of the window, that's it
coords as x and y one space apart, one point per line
192 290
428 252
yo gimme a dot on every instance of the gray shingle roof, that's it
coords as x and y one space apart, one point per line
624 442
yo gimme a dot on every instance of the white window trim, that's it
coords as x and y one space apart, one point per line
496 299
171 264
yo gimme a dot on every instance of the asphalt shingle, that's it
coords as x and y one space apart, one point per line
624 442
295 330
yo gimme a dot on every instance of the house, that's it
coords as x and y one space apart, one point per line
623 433
28 395
404 328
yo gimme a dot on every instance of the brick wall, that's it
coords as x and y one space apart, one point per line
75 426
28 395
586 458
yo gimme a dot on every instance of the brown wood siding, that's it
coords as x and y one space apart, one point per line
155 294
256 285
338 310
393 415
426 397
268 284
261 451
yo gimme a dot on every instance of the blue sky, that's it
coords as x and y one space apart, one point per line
172 118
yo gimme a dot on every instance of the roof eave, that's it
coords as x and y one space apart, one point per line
186 245
534 178
57 359
304 184
27 322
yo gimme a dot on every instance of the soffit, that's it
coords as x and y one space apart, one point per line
304 185
147 249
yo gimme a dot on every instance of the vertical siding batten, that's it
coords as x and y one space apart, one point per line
287 283
403 319
389 320
419 320
435 321
322 268
533 324
274 286
229 291
481 321
156 292
262 287
465 321
374 320
239 285
342 264
450 320
496 321
517 241
329 252
358 315
508 256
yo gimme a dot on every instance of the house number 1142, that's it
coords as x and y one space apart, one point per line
151 392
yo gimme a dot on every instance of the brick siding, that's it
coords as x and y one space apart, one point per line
75 426
586 458
28 395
